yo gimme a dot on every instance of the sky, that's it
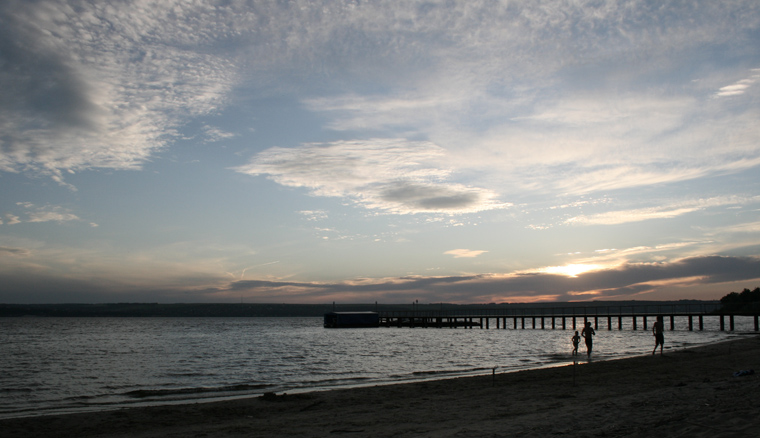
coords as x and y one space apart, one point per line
378 151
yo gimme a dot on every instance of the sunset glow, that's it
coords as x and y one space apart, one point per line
389 151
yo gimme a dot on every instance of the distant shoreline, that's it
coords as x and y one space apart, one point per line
286 310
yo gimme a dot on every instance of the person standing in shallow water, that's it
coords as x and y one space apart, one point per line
576 340
659 337
587 334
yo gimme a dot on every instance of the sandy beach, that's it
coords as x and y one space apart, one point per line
689 392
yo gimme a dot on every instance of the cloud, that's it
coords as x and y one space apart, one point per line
391 175
21 252
47 213
11 219
99 86
314 215
464 253
662 212
214 134
739 87
628 281
31 283
95 85
621 217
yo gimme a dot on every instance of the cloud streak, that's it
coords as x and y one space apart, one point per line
390 175
628 281
464 253
37 214
661 212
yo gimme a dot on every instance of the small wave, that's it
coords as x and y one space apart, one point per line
556 356
196 374
450 372
323 382
142 393
24 389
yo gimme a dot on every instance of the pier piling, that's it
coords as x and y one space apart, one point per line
639 315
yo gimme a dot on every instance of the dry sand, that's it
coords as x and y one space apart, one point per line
689 393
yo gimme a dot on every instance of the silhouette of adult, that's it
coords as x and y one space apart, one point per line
587 334
659 337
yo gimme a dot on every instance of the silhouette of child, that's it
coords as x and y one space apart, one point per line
576 341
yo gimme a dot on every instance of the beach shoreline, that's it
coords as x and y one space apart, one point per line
688 392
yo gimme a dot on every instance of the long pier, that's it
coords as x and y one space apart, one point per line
573 318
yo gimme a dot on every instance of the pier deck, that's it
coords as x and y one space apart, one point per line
560 318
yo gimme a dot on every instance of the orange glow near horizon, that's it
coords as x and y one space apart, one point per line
571 270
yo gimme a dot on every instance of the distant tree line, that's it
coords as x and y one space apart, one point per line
745 301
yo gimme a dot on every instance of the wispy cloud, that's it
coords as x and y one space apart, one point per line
214 134
99 87
465 253
46 213
391 175
314 215
19 252
740 86
117 82
662 212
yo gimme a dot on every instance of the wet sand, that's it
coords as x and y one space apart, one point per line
689 393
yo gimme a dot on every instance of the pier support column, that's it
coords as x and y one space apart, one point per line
573 323
596 323
620 323
542 323
701 323
672 323
553 322
564 325
481 323
634 322
731 322
609 322
644 320
722 323
756 324
691 323
523 322
515 323
534 323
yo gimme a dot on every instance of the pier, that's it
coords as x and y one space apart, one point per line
565 318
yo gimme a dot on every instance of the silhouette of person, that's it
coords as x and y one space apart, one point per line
659 337
576 341
587 334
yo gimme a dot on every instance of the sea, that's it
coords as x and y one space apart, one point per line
65 365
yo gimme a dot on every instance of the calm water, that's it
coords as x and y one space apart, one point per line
52 365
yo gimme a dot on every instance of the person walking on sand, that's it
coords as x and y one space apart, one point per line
576 340
587 334
659 337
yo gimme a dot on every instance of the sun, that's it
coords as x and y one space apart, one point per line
571 270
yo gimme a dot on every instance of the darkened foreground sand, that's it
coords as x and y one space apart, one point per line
689 393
